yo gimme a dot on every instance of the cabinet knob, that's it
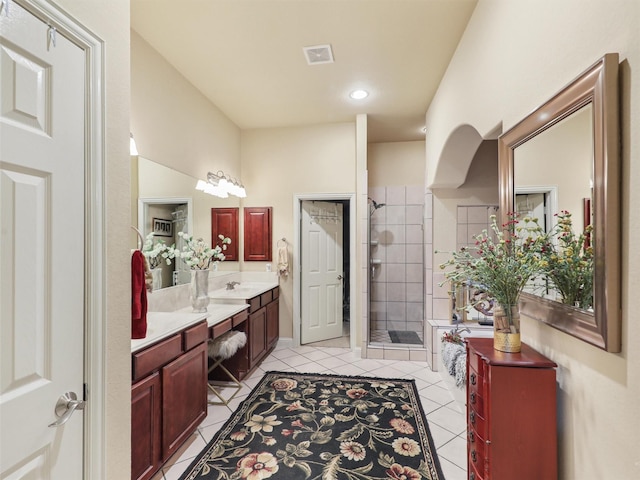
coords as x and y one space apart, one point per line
474 456
473 397
472 437
472 417
472 476
473 379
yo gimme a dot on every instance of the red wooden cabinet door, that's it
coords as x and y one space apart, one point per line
145 427
257 336
257 234
224 221
184 398
273 311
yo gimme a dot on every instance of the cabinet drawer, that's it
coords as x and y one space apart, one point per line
477 423
219 328
475 473
275 293
154 357
239 318
254 304
475 362
476 449
265 298
195 335
475 392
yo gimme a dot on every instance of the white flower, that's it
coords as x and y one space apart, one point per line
198 255
153 251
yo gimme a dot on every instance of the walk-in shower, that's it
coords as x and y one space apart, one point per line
396 269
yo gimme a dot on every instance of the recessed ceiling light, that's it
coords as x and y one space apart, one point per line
359 94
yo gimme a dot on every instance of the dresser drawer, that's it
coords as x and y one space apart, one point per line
477 422
276 292
476 450
156 356
476 374
475 473
476 395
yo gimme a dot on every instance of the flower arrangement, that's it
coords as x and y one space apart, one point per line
501 262
156 252
198 255
569 264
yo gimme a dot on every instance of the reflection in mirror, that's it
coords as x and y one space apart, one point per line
553 172
579 161
164 194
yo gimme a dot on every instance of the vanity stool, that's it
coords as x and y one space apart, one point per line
220 349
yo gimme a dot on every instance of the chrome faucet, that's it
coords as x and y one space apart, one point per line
231 285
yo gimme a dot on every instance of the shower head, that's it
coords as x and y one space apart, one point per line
376 205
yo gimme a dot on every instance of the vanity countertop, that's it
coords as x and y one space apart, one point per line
242 291
163 324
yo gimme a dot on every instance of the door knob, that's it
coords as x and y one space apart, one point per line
340 277
65 406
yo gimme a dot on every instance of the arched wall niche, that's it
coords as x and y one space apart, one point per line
456 157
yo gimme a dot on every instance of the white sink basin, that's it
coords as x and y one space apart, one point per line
242 291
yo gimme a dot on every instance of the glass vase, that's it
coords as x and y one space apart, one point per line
506 328
199 290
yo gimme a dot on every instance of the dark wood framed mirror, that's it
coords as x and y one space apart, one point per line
595 92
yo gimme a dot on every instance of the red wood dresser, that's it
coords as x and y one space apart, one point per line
511 414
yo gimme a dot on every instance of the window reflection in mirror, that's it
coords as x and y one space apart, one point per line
166 194
553 172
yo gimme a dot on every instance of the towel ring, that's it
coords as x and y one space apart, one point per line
140 239
283 240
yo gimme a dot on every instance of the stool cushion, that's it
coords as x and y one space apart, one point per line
227 344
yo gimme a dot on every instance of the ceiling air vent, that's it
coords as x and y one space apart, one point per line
318 54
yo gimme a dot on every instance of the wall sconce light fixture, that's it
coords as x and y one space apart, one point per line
221 186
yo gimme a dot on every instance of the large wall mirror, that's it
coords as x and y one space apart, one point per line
565 156
166 202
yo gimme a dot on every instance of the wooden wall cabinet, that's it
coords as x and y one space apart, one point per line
168 397
511 414
257 234
224 221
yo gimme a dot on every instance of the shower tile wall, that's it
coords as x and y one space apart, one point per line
397 286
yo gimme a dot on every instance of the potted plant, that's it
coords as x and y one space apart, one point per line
502 262
568 263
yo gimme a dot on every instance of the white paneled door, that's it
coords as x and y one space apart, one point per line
42 248
321 271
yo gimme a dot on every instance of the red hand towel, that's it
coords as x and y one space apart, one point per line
138 296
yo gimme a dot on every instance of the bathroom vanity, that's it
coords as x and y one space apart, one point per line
170 367
261 327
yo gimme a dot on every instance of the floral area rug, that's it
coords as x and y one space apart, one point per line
298 426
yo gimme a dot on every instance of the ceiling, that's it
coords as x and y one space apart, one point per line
247 57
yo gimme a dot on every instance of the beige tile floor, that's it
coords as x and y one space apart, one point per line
446 417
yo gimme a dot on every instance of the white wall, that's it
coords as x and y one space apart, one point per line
516 54
399 163
173 123
279 163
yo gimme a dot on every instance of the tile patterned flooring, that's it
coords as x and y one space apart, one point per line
445 416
